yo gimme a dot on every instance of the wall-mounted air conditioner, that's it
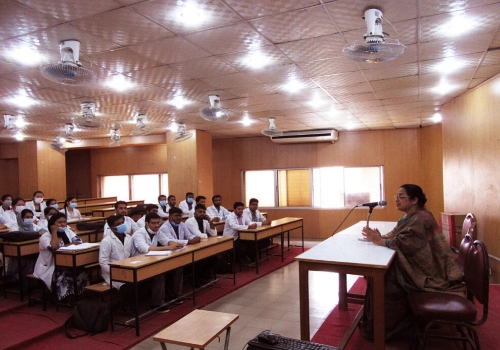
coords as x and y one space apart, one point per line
307 136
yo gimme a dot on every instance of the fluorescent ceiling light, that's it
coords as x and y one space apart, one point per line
20 122
293 86
119 82
22 100
437 118
317 102
26 55
247 121
179 102
190 14
19 136
444 87
449 65
257 60
458 25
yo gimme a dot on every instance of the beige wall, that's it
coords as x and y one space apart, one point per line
401 152
471 162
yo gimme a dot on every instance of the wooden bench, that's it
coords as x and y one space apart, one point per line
101 288
197 329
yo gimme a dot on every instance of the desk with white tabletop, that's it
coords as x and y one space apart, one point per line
344 254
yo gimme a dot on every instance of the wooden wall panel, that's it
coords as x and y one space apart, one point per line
204 164
78 173
9 176
9 151
150 159
471 149
432 165
28 169
181 162
51 171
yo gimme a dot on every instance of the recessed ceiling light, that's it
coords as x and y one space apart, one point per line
119 82
179 102
449 65
22 99
437 117
190 14
316 102
459 24
257 60
293 86
444 87
26 55
247 121
20 122
173 127
19 136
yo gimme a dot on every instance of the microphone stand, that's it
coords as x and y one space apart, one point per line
369 214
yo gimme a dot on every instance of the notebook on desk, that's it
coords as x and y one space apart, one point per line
284 343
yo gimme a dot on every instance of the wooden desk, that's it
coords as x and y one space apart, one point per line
76 259
219 226
92 200
343 253
18 250
86 235
141 267
72 223
277 228
89 208
197 329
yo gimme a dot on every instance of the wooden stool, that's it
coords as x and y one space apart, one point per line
197 329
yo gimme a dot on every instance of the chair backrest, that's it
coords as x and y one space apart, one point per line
463 250
477 273
469 226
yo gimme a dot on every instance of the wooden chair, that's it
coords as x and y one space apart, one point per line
435 308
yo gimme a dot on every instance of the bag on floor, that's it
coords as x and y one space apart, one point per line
90 316
223 263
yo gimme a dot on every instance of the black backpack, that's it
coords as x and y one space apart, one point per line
90 316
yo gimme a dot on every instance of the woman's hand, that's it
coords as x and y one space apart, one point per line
373 235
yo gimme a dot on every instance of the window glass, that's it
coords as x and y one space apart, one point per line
362 185
146 187
115 186
294 188
328 187
260 185
163 186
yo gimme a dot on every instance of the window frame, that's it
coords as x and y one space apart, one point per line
100 180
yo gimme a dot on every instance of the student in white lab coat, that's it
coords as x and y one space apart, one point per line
70 210
47 214
37 205
9 218
150 208
121 209
52 202
58 236
164 205
217 210
6 203
188 204
25 223
200 224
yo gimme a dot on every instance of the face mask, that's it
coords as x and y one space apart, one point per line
73 205
151 232
189 200
163 203
38 200
174 224
28 221
61 229
121 228
55 206
7 202
20 208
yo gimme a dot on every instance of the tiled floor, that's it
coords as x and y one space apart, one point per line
271 302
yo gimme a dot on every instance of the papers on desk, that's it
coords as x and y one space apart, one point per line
159 253
82 246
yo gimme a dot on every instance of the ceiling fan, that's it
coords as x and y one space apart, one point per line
375 47
88 118
12 124
271 130
214 113
116 136
142 126
58 145
182 135
69 130
69 70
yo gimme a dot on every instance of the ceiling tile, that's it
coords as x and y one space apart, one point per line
122 61
202 68
249 10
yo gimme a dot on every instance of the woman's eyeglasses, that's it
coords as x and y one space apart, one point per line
396 197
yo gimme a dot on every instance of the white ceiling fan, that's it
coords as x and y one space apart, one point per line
214 113
88 118
142 126
272 130
69 130
69 70
182 135
58 145
375 47
116 136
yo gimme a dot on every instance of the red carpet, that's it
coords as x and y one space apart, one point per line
335 325
31 328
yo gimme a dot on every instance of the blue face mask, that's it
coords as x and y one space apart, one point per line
56 206
189 200
28 221
163 203
73 205
174 224
121 228
61 229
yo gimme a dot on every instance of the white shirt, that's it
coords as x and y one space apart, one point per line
142 241
247 213
111 249
163 213
192 226
222 213
72 216
31 206
2 210
141 222
131 226
169 231
185 208
8 218
232 225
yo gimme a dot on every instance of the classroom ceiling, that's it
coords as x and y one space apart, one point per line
161 55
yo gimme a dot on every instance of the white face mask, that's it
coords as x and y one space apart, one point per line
20 208
28 221
38 200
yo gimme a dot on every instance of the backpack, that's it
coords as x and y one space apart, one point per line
90 316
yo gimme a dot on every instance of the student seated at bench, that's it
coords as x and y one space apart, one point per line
47 214
121 209
58 236
37 205
25 223
70 210
150 208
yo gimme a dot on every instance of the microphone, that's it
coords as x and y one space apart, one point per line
372 204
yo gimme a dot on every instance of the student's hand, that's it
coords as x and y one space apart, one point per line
266 222
195 240
252 226
53 229
175 245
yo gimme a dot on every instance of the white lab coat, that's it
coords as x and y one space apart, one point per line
184 233
247 214
232 225
131 227
142 241
72 216
8 218
163 213
2 210
222 213
31 206
45 264
185 208
192 226
15 227
141 223
111 249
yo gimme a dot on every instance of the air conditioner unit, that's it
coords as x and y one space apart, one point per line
307 136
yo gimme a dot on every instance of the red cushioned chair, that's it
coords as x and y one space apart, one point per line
434 308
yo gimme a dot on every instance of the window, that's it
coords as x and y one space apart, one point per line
135 187
328 187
